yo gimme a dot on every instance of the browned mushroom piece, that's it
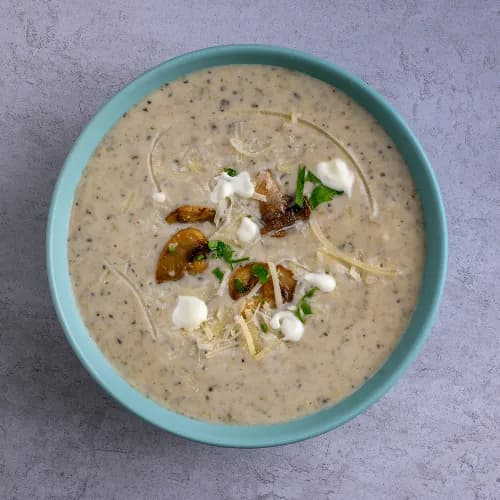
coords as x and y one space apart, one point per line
191 213
266 185
242 280
287 286
279 211
186 251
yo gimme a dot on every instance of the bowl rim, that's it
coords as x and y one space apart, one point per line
246 436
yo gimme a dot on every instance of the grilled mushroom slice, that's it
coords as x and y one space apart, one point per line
191 213
287 286
276 201
242 280
186 251
279 211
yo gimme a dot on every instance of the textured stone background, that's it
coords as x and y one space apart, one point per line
436 435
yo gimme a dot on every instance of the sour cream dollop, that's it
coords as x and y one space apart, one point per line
290 326
190 312
226 186
323 281
248 230
159 197
336 175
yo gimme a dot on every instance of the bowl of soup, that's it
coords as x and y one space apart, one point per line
246 246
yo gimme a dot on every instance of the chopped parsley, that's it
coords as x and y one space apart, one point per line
260 272
299 191
171 248
200 257
231 171
222 250
264 328
310 177
320 194
218 273
303 307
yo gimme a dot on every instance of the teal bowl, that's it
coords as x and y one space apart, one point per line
237 435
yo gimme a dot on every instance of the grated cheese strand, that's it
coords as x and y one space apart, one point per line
139 298
228 217
152 148
330 250
246 333
239 146
128 202
223 284
253 291
276 285
217 351
295 262
268 349
254 318
220 212
208 331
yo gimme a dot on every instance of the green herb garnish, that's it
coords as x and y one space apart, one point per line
230 171
264 328
222 250
239 285
260 272
299 191
310 177
171 248
237 261
303 307
199 257
218 273
322 194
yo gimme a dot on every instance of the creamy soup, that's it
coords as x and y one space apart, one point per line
246 245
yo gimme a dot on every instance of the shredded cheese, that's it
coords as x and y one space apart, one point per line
243 149
253 291
152 148
286 167
223 284
228 217
353 273
139 298
331 251
276 285
295 262
222 211
128 202
254 318
208 331
246 333
217 351
204 346
240 148
268 349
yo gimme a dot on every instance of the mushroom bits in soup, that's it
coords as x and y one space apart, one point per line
246 245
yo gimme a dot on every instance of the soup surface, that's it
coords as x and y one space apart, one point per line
184 145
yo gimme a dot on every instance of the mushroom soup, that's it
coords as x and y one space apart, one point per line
246 245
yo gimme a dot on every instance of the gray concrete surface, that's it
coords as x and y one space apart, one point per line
434 436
